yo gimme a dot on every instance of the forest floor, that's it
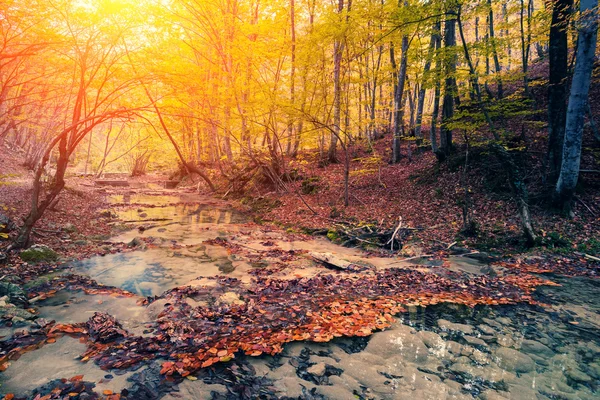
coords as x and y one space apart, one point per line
428 196
161 293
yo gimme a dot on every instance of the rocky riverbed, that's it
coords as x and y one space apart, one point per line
548 350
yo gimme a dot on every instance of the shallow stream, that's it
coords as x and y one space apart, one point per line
438 352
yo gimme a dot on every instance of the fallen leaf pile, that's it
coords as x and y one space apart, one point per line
571 265
23 342
74 282
74 387
105 328
275 312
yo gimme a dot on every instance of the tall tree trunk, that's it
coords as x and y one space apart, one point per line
525 43
487 57
507 37
450 91
412 92
582 76
292 76
421 99
476 41
398 100
338 50
39 207
227 134
539 48
558 55
436 94
373 95
492 38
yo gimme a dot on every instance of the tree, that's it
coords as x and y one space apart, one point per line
525 42
578 100
557 85
421 98
291 127
98 89
492 39
338 51
450 88
399 99
436 94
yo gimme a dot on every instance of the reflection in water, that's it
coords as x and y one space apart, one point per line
183 214
143 198
149 272
542 353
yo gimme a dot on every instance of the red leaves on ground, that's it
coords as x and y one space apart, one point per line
568 265
75 282
276 312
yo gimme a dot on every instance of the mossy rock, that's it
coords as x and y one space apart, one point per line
591 246
10 311
41 280
333 235
14 293
38 253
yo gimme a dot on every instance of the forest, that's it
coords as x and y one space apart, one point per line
299 199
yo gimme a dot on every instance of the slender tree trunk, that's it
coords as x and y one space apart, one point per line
525 43
476 41
398 101
495 50
421 99
227 134
507 37
436 94
582 76
449 85
411 106
338 50
291 129
300 127
373 95
539 48
487 58
558 56
346 176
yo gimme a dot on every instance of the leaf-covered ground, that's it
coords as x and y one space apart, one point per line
192 333
270 312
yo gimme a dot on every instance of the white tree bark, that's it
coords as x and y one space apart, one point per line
586 48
